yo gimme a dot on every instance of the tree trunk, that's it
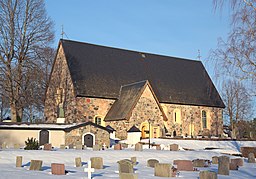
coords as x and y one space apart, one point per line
13 112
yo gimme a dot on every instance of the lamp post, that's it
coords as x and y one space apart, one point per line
149 133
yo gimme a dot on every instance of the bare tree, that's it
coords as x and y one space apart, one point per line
24 29
236 56
238 102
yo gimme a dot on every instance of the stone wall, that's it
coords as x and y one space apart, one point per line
75 136
146 108
192 115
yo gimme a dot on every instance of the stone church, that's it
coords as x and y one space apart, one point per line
160 95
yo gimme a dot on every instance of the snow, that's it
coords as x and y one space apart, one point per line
110 158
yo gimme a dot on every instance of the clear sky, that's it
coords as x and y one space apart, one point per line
169 27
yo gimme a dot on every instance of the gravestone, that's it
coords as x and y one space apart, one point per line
125 166
97 162
128 176
79 147
124 145
78 162
184 165
152 162
58 169
138 147
96 147
215 159
208 175
62 146
246 150
251 158
158 147
164 170
16 146
118 147
134 160
70 146
223 166
237 161
174 147
36 165
200 163
47 146
89 170
233 166
4 146
18 161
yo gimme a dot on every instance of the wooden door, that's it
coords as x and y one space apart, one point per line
88 140
43 137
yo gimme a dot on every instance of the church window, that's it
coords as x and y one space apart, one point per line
204 119
177 116
98 120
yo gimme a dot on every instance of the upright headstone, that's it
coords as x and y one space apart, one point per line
58 169
200 163
125 166
251 158
128 176
70 146
118 147
237 161
207 175
138 147
223 166
62 146
96 147
164 170
47 146
134 160
215 159
246 150
18 161
79 147
152 162
174 147
97 162
36 165
184 165
158 147
78 162
16 146
4 146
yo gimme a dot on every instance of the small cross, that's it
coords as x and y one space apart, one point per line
89 170
104 146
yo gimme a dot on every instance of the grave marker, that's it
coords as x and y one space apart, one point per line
246 150
128 176
16 146
174 147
238 161
158 147
215 159
89 170
223 166
184 165
207 175
4 146
134 160
47 146
152 162
78 162
58 169
62 146
96 147
125 166
118 147
138 147
164 170
97 162
79 147
70 146
18 161
36 165
200 163
251 158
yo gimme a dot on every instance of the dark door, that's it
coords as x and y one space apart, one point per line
43 137
88 140
174 134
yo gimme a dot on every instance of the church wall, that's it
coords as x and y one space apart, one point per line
75 136
192 115
146 108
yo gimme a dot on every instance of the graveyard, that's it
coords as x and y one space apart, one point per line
166 158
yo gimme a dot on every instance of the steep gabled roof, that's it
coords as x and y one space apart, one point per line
129 96
99 71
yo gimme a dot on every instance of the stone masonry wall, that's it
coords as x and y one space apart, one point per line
76 136
145 109
192 114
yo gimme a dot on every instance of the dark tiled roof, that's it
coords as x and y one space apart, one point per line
99 71
133 129
110 128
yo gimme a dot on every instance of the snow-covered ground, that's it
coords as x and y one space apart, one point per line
110 158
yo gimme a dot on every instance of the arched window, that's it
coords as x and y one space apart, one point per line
97 120
204 119
177 116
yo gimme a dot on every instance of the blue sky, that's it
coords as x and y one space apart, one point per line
169 27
